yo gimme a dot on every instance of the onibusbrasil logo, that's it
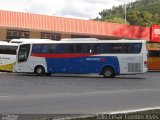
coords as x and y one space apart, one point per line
157 31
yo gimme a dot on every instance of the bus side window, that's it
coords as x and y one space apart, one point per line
36 49
105 48
78 48
59 48
12 50
154 53
127 48
88 48
95 48
68 48
53 48
151 53
101 49
3 50
117 48
137 47
71 48
91 48
74 48
45 49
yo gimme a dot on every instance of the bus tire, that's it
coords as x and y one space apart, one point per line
108 72
39 70
48 74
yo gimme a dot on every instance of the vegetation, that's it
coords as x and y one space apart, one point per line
141 13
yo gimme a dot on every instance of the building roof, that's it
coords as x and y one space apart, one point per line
69 25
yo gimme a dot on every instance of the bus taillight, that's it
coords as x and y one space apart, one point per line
145 63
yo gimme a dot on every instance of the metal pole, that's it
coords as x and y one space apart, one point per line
125 12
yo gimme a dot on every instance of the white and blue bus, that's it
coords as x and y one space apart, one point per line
81 56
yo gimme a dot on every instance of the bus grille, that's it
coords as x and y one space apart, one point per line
134 67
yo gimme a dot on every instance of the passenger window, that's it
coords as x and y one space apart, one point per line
154 53
117 48
45 49
94 48
137 48
36 49
58 48
78 48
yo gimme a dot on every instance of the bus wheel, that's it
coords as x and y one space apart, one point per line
39 70
108 72
48 74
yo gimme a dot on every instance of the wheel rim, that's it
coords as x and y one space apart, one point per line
39 70
108 73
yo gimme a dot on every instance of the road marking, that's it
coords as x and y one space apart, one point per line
129 90
131 111
4 96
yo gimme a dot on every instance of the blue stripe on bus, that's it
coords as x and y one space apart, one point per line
90 64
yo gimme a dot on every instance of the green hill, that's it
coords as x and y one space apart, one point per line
141 13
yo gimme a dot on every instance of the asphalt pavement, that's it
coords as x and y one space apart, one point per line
84 94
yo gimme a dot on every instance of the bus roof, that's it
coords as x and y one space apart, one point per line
9 44
86 41
79 39
27 40
3 42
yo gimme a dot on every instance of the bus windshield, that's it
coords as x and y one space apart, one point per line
23 53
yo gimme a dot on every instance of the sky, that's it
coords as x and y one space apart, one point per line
81 9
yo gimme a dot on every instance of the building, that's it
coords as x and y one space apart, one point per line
15 25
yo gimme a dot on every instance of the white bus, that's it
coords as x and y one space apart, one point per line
81 56
7 56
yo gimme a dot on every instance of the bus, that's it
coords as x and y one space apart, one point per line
83 56
154 56
7 56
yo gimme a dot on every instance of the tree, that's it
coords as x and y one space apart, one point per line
140 12
140 18
116 20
